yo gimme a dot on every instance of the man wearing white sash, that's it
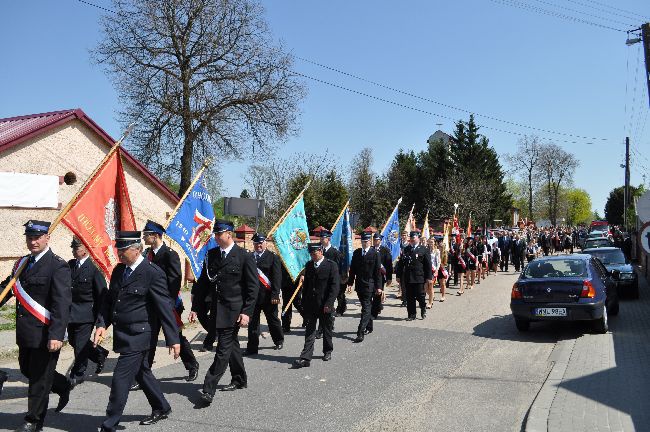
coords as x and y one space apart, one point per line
43 304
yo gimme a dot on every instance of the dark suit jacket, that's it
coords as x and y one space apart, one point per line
365 271
88 288
320 287
333 254
133 306
269 263
415 265
232 284
386 259
48 283
168 260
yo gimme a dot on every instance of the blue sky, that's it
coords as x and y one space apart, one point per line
513 63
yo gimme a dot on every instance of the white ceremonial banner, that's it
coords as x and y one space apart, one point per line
28 190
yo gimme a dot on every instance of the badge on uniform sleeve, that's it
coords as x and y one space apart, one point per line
416 256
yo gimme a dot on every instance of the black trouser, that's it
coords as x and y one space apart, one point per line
207 321
287 292
310 334
505 260
415 291
79 338
341 305
187 356
377 306
228 354
130 366
271 313
365 298
38 365
519 261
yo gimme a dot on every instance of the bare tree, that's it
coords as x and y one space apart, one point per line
361 186
556 166
471 193
524 161
203 77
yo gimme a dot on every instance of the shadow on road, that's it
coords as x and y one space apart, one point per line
503 327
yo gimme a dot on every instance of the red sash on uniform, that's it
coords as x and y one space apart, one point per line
461 261
37 310
471 256
266 283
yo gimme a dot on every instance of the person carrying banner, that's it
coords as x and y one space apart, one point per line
365 276
404 243
136 301
332 253
168 260
88 289
386 262
269 272
435 266
230 276
320 288
43 304
414 269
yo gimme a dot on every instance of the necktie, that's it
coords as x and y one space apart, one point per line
223 254
363 252
31 262
127 273
78 263
150 255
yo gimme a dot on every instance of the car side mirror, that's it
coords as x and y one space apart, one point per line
616 274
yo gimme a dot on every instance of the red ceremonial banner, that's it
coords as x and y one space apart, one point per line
102 209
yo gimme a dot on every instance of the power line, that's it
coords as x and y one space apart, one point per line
412 108
564 8
542 11
97 6
406 93
634 15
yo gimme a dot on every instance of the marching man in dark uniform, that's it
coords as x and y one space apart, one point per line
386 261
332 253
415 271
136 301
42 312
320 288
168 260
269 272
288 288
365 275
88 289
229 275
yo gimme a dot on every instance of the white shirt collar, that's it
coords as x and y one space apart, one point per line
83 260
228 249
257 254
365 251
319 262
136 263
327 248
155 251
40 255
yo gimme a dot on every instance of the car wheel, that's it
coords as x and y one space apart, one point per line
601 325
634 292
522 324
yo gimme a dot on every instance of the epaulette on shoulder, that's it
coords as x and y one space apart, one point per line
59 258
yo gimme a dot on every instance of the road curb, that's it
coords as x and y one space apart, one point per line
537 419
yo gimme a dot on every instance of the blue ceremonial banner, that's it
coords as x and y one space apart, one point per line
342 237
391 234
192 225
291 239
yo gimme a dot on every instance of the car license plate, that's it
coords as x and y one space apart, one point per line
550 312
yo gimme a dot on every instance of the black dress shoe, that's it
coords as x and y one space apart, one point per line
367 332
30 427
301 363
286 330
205 348
75 382
3 379
134 387
327 356
319 335
279 346
248 353
410 318
206 398
234 386
423 314
64 398
193 374
103 429
155 417
359 339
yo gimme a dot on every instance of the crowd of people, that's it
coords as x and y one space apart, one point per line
236 286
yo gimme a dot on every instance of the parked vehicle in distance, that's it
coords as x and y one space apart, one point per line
627 281
564 288
599 225
592 243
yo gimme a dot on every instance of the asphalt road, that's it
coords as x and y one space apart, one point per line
464 368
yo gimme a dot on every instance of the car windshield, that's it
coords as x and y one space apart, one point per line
597 243
567 268
609 257
596 234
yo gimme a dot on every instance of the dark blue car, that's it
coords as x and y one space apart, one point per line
564 288
627 281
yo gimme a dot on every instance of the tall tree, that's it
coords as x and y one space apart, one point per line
615 204
524 162
202 77
578 203
361 186
556 166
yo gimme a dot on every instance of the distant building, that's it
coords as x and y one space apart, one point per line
440 135
70 145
